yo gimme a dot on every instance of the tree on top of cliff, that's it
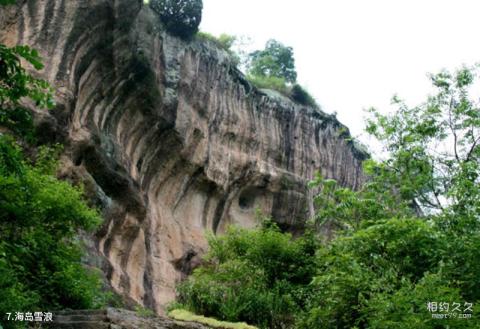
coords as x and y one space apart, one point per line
276 61
180 17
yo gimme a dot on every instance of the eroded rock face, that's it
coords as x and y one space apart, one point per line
169 138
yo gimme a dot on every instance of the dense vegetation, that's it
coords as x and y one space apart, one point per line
276 60
180 17
40 265
40 216
409 237
258 276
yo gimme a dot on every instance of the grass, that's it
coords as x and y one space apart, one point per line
143 311
184 315
273 83
223 41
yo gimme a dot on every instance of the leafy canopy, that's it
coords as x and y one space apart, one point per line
258 276
180 17
276 60
40 216
16 85
435 148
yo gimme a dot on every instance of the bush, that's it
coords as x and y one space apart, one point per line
180 17
258 276
40 258
383 276
300 95
407 308
295 93
224 41
273 83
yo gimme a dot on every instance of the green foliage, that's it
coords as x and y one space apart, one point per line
258 276
40 265
39 254
300 95
434 148
143 311
276 60
408 236
6 2
40 216
180 17
407 306
342 209
274 68
184 315
16 84
223 41
385 275
273 83
295 92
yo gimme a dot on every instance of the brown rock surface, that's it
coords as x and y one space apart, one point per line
169 138
113 318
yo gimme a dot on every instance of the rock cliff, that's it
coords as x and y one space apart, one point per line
169 138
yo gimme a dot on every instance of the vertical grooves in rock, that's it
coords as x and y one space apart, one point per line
172 137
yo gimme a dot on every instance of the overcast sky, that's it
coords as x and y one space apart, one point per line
354 54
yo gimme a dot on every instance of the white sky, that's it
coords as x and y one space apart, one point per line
354 54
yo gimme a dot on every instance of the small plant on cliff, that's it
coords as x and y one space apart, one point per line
302 96
180 17
224 41
143 311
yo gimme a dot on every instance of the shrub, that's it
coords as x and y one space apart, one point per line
295 93
407 307
223 41
378 267
40 258
300 95
274 83
258 276
180 17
